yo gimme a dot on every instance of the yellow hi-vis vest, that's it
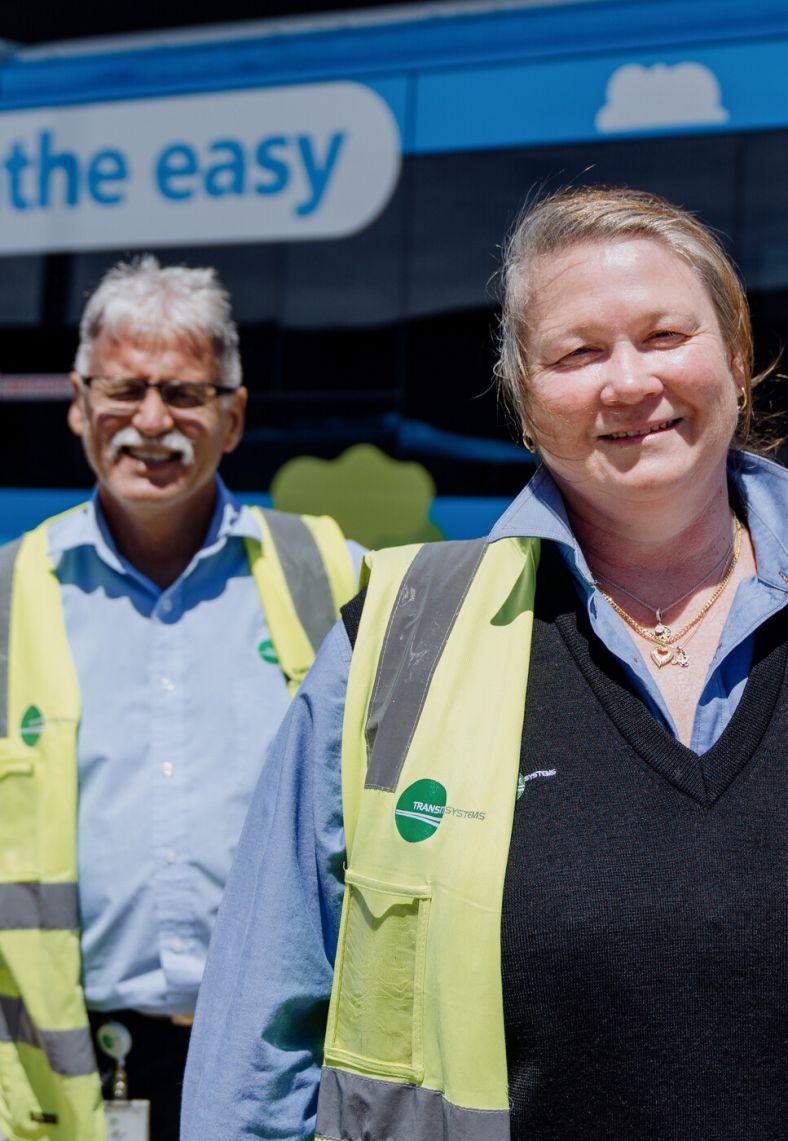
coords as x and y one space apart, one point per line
49 1088
414 1046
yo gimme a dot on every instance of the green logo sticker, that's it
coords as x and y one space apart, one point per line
419 810
32 725
267 652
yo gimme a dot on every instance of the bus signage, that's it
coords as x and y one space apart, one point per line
272 164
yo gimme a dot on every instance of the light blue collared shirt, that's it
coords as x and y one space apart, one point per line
257 1044
179 706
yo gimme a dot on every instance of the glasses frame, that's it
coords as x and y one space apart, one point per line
162 387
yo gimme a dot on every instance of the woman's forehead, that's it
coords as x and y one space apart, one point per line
627 251
641 269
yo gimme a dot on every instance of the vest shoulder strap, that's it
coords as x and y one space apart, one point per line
422 614
303 573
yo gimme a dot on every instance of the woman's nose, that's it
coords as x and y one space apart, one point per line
629 376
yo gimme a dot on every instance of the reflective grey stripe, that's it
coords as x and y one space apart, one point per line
352 1108
427 605
8 554
68 1052
305 574
38 906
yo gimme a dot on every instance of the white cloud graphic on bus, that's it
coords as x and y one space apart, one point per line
665 95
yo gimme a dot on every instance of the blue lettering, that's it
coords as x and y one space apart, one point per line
65 162
16 163
226 177
317 174
273 166
178 161
107 167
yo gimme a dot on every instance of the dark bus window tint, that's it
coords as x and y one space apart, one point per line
251 273
20 293
695 171
463 205
449 373
458 428
352 283
764 258
38 449
360 361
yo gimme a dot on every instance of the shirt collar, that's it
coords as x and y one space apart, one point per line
88 527
762 487
231 520
539 512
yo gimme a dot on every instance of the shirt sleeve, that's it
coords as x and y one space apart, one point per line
257 1043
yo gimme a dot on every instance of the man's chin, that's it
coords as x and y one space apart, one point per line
151 489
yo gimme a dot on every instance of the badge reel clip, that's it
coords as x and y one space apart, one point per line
126 1120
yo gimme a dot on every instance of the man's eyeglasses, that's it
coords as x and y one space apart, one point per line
126 391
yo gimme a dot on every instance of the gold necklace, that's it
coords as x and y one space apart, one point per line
659 610
666 648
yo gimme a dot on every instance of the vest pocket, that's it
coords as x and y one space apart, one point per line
376 1020
19 815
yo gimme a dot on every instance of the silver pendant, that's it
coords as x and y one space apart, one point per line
680 658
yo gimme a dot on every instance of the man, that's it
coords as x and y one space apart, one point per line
149 641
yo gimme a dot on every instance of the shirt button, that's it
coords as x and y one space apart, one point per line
168 768
170 856
167 684
176 945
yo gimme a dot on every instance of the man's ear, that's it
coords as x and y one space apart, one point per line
236 416
76 409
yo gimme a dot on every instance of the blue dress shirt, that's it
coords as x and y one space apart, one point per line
180 701
257 1045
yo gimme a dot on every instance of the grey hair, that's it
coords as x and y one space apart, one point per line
144 297
567 218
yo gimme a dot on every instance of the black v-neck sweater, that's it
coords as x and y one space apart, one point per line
645 917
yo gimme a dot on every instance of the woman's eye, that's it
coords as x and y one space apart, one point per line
575 355
665 335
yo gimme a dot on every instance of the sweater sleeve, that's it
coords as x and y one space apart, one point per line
257 1044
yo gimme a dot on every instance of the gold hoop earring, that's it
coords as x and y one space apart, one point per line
745 401
530 443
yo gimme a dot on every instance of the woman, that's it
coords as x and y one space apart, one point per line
570 924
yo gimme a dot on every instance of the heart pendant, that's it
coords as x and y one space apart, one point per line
661 655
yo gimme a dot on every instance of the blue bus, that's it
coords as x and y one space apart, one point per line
351 177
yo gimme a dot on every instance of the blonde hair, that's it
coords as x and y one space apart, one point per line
608 213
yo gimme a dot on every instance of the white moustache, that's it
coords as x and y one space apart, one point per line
173 441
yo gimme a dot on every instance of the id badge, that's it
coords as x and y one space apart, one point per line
127 1120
